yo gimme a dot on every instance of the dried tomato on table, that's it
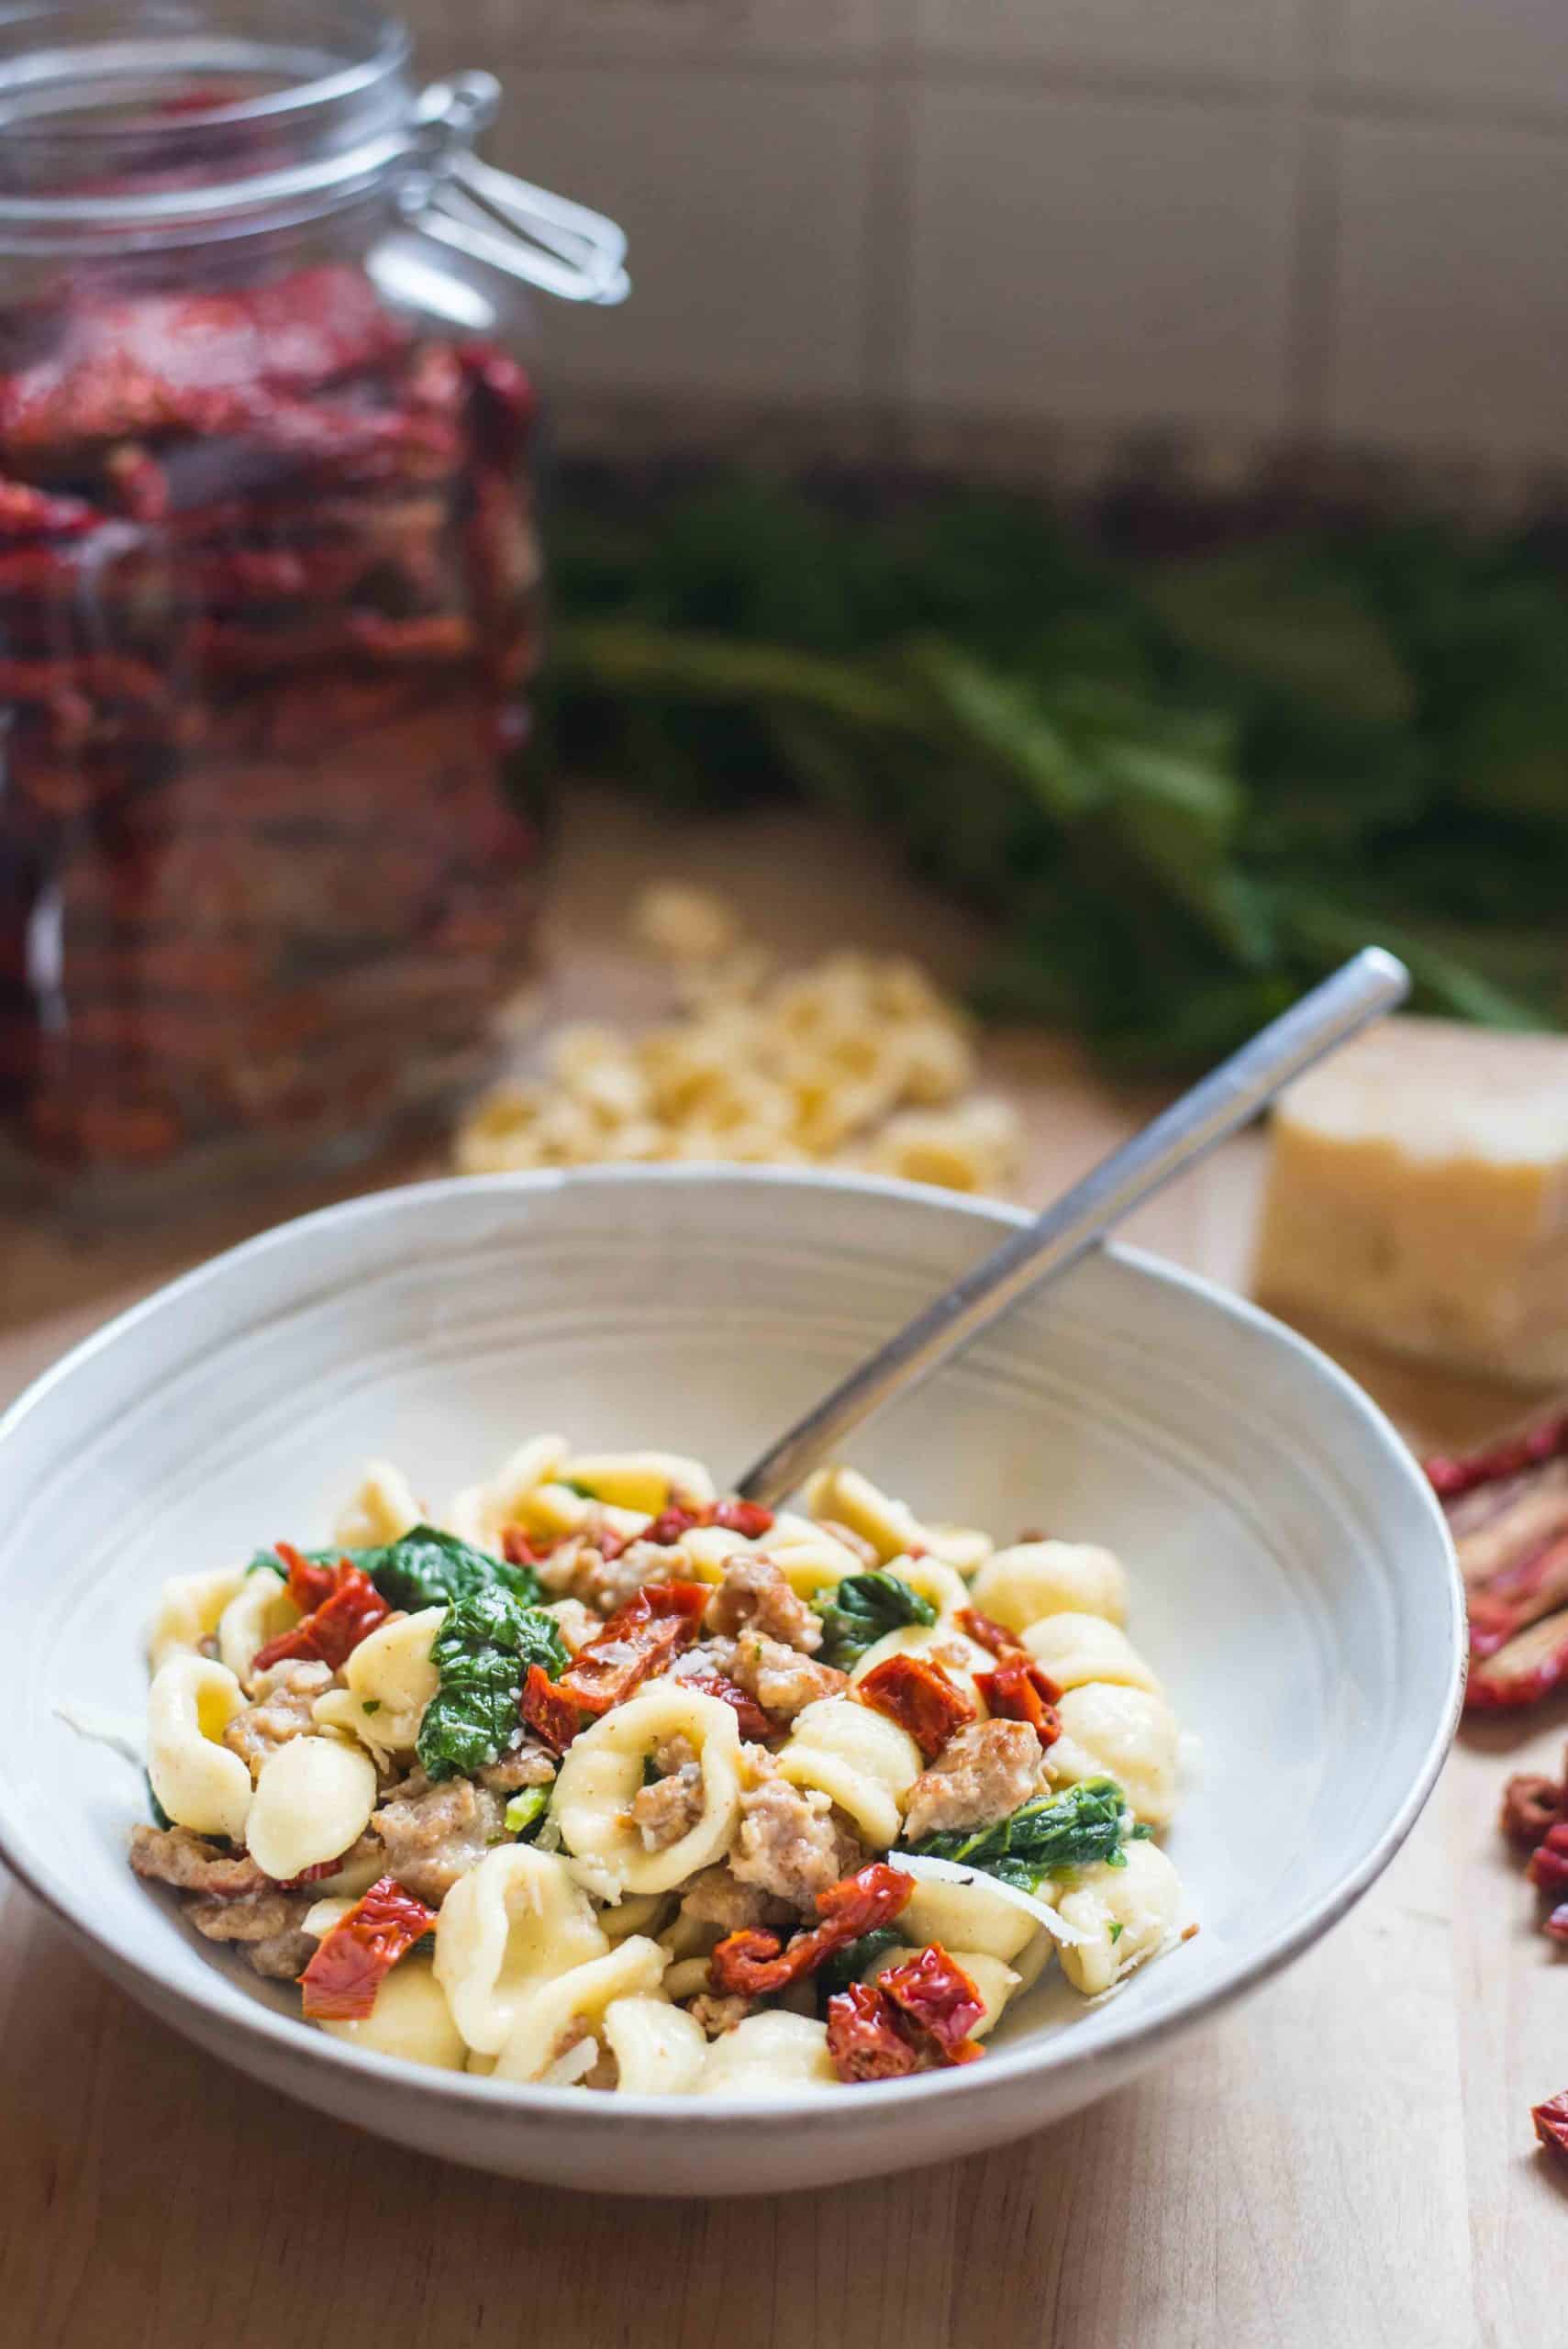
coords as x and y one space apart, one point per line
752 1963
640 1639
918 1694
1551 2121
352 1962
1507 1507
331 1632
917 2016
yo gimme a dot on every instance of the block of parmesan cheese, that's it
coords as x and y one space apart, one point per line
1418 1196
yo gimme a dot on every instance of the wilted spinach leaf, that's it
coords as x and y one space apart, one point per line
1045 1837
483 1652
863 1608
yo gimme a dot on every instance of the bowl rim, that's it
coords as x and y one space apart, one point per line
287 2038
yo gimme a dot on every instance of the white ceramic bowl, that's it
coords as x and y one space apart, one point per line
1293 1581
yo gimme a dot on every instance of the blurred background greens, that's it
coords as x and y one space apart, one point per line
1180 784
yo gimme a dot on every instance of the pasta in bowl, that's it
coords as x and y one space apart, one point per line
599 1780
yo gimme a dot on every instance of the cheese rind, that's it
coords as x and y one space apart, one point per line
1418 1196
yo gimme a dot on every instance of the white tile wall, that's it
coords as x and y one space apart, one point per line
745 197
1477 52
1453 299
1241 40
1099 257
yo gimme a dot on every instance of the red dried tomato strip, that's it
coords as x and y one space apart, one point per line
334 1630
1527 1667
748 1517
667 1528
751 1963
919 1696
1530 1805
939 2000
640 1639
1548 1868
1449 1474
29 513
1022 1690
353 1960
986 1631
552 1718
310 1585
519 1549
753 1721
864 2040
1551 2121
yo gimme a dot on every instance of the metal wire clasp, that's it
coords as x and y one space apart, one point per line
450 193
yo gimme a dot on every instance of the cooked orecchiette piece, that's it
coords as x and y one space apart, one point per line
479 1513
960 1657
1074 1648
411 2019
383 1508
1129 1734
572 2006
773 2053
602 1775
1035 1578
706 1550
189 1611
858 1759
391 1680
660 2050
199 1781
1128 1912
849 1499
945 1588
515 1920
643 1912
809 1556
966 1916
641 1480
994 1980
259 1610
313 1797
963 1547
687 1977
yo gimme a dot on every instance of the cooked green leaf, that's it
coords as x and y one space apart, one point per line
846 1964
426 1567
863 1608
481 1652
1044 1838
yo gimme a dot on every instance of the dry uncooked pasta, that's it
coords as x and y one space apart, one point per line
858 1059
596 1779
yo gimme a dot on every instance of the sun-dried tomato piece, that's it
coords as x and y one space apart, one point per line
29 513
1526 1668
1022 1690
1556 1925
1452 1475
551 1715
518 1549
987 1633
1530 1804
310 1583
939 1999
917 1693
748 1518
640 1639
353 1960
864 2040
334 1630
667 1528
1548 1869
1551 2121
751 1963
754 1723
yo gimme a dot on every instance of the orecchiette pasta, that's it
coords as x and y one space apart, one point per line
659 2049
768 2056
411 2019
858 1759
199 1781
1127 1912
516 1919
1128 1734
582 1789
603 1771
1035 1578
574 2005
314 1799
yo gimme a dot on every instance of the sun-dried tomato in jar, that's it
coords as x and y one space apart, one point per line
269 585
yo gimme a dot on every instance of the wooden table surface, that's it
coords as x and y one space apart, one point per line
1347 2159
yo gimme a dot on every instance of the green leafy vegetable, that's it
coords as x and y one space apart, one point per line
481 1652
369 1704
1044 1838
863 1608
846 1964
428 1568
268 1561
1117 1930
525 1813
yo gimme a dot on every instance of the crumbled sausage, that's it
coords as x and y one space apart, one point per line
434 1834
532 1765
259 1918
576 1623
782 1680
284 1955
719 2014
672 1805
755 1594
173 1856
716 1896
609 1583
985 1770
789 1842
282 1711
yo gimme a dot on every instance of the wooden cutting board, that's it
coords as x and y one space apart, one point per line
1345 2161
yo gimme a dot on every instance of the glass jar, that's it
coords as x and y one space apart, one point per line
270 843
